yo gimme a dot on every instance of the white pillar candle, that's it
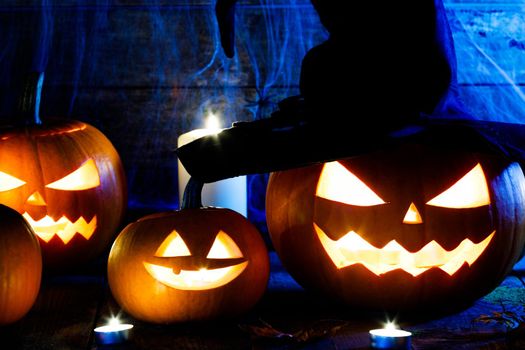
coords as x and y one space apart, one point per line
229 193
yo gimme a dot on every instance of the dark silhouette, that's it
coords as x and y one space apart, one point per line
385 62
386 73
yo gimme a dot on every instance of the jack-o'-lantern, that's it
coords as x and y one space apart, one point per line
66 179
414 226
20 266
193 264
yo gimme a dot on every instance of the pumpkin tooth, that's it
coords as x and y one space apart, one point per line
352 249
84 228
372 256
67 233
46 228
431 255
391 253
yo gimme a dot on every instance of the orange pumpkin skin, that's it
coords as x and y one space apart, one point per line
20 266
37 156
404 175
147 299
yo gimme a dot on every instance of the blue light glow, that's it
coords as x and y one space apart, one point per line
148 72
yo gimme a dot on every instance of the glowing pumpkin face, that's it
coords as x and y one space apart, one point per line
67 181
400 229
46 228
193 264
174 266
337 184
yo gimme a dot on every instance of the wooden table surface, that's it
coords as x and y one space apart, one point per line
68 308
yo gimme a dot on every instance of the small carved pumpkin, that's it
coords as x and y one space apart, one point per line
20 266
410 227
66 179
192 264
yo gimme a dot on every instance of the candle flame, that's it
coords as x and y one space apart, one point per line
390 325
213 122
114 321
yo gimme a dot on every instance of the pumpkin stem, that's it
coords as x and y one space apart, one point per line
192 194
29 102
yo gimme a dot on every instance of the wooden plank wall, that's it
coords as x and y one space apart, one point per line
145 71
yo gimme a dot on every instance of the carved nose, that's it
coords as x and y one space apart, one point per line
412 215
36 199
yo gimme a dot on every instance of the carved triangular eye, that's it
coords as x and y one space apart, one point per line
338 184
83 178
471 191
9 182
173 246
224 248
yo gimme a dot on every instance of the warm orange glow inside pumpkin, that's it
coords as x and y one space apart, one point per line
224 248
471 191
46 228
337 183
83 178
352 249
203 278
9 182
173 246
412 215
36 199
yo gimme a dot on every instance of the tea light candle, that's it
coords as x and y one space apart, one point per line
390 337
112 333
229 193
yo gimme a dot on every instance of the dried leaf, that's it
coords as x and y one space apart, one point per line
509 319
265 331
484 319
315 331
318 331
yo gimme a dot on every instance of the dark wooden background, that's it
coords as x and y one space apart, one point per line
145 71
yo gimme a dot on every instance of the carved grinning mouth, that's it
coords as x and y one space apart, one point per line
352 249
46 228
195 280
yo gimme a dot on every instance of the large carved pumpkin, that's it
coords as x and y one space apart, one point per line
414 226
20 266
66 179
187 265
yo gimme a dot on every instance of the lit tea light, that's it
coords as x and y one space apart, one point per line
229 193
390 337
112 333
